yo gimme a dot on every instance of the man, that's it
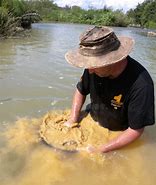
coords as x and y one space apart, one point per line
121 90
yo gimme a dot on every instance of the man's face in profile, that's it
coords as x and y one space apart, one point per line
101 71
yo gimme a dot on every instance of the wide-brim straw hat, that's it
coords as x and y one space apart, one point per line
99 47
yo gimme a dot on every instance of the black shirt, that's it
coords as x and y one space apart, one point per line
126 101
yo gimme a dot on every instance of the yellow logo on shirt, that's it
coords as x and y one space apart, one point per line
116 102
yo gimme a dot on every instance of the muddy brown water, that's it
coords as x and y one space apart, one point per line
35 79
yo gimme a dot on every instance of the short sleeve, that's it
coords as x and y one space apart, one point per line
141 107
83 84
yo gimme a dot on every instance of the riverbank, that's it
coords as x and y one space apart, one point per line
19 32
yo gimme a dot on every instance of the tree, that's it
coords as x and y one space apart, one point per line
144 14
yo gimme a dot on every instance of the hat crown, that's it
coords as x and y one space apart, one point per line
94 34
98 41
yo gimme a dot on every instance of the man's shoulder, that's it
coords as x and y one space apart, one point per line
139 72
135 65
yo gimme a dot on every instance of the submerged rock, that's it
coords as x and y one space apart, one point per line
151 34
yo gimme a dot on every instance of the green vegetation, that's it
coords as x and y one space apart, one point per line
144 14
51 12
11 12
7 22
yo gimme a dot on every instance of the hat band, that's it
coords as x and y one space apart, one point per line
101 47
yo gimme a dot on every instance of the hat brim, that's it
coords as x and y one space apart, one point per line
79 60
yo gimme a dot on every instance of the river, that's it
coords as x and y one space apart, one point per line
35 79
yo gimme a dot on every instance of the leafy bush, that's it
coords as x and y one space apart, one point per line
120 19
151 24
7 22
144 14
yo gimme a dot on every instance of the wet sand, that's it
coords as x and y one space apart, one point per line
85 133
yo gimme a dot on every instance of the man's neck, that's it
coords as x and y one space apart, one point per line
118 68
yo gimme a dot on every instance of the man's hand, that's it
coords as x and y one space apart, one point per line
69 123
78 101
125 138
92 149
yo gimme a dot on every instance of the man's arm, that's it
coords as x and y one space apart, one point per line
78 101
125 138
